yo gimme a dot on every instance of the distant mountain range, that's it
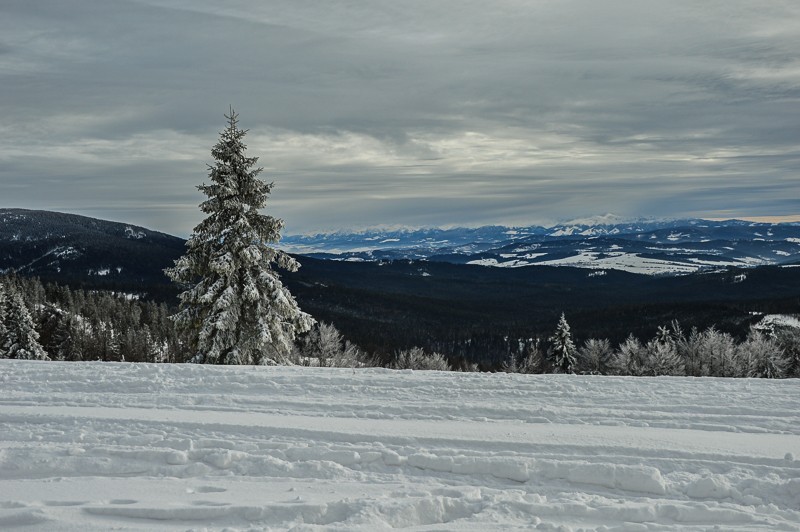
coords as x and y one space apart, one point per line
654 247
67 246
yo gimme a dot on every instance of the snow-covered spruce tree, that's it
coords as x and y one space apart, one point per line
235 309
20 339
563 355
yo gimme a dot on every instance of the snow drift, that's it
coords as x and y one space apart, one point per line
94 446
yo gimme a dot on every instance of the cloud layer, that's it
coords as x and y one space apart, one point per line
414 112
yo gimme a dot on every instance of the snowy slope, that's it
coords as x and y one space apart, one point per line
95 446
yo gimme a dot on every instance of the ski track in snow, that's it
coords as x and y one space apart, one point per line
96 446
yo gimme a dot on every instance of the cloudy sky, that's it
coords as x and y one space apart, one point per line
410 112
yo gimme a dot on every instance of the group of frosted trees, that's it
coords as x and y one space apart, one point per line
18 336
767 353
54 322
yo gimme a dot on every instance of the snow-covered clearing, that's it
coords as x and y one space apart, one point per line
96 446
627 262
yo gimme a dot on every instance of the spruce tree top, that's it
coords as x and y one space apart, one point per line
236 194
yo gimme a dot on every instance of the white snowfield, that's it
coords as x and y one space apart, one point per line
100 446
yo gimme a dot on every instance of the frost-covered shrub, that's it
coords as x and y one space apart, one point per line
761 356
533 361
661 358
629 358
510 364
788 339
718 355
529 359
690 349
417 358
657 357
594 356
324 346
468 367
325 343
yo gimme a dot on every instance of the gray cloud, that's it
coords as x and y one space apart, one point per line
417 112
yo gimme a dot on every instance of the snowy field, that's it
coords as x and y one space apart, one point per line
100 446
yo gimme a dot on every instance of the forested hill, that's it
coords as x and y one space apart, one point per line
82 250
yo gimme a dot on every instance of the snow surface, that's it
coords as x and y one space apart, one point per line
99 446
627 262
778 320
616 260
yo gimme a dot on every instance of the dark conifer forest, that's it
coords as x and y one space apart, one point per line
76 324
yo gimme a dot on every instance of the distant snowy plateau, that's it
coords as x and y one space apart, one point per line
605 243
101 446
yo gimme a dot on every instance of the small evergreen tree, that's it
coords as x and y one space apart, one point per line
563 357
235 309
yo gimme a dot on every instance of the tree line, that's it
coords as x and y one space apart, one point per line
767 352
54 322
